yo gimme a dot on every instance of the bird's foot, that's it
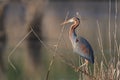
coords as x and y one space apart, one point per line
77 69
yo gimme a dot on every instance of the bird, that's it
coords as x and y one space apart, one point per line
80 45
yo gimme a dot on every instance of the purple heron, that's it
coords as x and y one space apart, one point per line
80 45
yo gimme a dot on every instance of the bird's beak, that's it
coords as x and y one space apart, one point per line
70 20
65 22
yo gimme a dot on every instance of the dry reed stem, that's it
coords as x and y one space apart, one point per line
115 32
112 71
101 71
96 70
118 70
101 43
109 27
116 46
17 45
38 38
53 57
119 53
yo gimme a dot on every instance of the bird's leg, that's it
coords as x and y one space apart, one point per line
86 63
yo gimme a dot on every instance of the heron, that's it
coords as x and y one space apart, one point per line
80 45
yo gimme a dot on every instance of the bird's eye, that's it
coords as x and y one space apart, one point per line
77 40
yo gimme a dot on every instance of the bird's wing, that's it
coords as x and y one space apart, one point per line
86 49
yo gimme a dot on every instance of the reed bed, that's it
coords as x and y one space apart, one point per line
104 69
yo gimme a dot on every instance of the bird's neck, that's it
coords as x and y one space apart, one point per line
72 33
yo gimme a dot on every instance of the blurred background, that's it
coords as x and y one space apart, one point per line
30 29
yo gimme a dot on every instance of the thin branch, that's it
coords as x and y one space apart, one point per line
13 50
53 57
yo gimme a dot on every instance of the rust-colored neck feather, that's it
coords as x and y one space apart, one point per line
75 25
72 33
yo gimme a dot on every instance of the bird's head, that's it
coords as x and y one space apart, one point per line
72 20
